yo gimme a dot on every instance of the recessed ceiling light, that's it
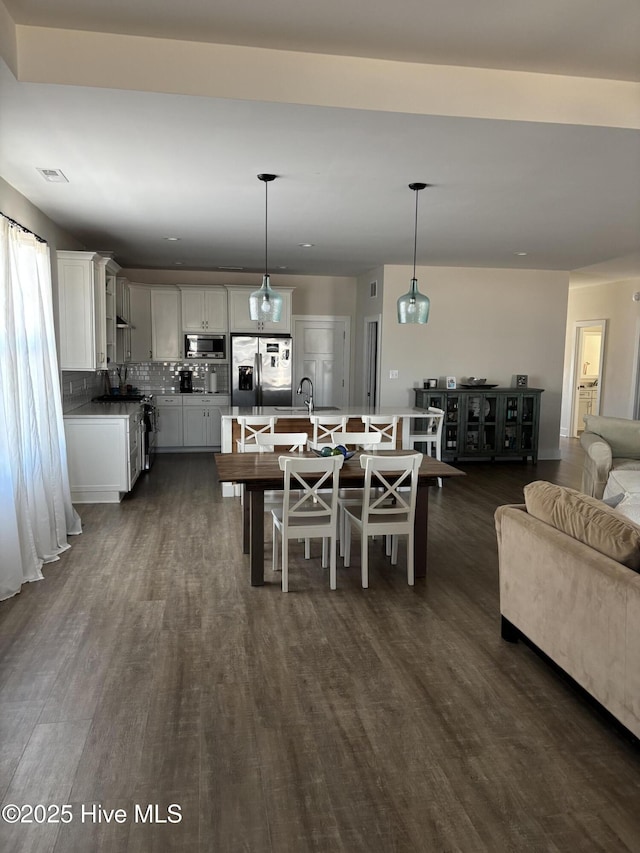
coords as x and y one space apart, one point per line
306 245
520 254
54 176
178 263
171 239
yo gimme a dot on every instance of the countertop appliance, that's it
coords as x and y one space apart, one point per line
149 419
261 370
186 382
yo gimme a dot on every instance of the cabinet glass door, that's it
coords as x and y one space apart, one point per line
480 423
450 442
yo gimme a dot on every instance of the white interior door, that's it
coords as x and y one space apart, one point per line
321 347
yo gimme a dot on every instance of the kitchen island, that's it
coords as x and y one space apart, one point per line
296 419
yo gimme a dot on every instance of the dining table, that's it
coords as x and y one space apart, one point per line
260 473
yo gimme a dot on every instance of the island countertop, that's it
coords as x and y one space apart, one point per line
301 412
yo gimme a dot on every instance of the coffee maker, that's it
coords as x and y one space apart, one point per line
186 382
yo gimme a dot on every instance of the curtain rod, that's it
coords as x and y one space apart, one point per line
22 227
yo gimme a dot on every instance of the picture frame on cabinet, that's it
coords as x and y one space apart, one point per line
520 380
451 383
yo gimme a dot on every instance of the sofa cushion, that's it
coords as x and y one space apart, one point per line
621 434
586 519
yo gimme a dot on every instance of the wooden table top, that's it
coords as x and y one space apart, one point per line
262 469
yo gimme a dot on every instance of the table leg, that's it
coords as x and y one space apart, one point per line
246 521
420 532
256 542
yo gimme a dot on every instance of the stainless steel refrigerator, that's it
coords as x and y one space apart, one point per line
261 370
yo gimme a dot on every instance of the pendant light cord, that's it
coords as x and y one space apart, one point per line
266 214
415 236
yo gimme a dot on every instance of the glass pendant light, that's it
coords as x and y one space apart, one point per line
413 307
265 303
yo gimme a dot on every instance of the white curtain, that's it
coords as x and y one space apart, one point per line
36 513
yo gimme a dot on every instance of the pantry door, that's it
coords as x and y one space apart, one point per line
321 351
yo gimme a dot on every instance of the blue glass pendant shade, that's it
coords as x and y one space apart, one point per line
413 307
265 303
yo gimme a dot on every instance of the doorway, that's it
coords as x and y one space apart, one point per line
321 351
588 372
371 377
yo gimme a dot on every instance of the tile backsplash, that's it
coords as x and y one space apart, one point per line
79 387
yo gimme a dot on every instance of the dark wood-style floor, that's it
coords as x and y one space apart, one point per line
145 669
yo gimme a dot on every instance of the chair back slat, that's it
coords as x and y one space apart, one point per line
311 487
364 440
293 441
390 485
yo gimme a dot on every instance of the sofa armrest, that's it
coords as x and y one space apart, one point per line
598 460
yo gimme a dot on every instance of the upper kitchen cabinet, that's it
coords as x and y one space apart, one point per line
166 343
123 324
140 321
204 309
87 310
239 319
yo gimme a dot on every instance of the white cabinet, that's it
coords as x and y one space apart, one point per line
165 324
104 455
204 309
239 319
169 421
140 320
86 293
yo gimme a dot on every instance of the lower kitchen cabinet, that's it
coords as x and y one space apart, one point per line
169 421
201 419
190 421
104 455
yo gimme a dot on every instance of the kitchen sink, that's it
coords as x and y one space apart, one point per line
304 409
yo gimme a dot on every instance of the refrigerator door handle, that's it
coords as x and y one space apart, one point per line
258 363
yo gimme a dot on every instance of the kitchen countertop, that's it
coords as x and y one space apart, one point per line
104 410
301 412
193 394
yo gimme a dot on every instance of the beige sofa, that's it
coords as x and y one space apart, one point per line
610 444
575 603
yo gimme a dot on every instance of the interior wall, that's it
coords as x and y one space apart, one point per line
16 206
611 302
366 306
490 323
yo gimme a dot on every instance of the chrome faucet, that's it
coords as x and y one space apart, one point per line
309 401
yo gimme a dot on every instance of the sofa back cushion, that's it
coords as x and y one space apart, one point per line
586 519
621 434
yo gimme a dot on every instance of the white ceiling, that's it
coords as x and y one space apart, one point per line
143 166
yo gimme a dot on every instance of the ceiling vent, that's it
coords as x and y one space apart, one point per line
55 176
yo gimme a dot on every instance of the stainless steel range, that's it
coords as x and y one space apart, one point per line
150 421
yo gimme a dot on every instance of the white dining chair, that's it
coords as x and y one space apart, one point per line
386 425
387 508
356 441
252 426
428 438
309 509
323 428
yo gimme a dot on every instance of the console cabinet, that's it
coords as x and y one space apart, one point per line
486 422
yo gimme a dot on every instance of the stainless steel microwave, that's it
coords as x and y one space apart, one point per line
205 346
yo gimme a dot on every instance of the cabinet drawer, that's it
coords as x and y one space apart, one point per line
200 400
165 402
